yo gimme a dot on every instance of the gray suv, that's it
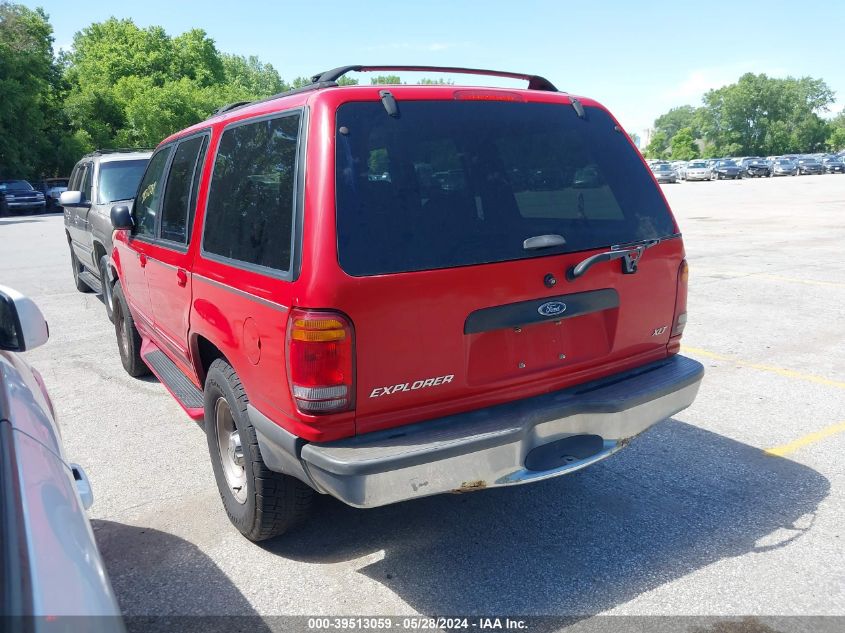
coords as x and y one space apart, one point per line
99 180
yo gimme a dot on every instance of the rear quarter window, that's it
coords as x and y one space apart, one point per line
456 183
249 215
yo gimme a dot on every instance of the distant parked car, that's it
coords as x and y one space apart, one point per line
99 181
698 170
680 167
51 565
53 188
726 169
664 172
784 167
18 196
834 166
756 168
809 166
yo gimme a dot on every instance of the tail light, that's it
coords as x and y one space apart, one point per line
321 361
680 319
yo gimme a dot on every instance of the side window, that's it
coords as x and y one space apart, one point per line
192 203
249 214
73 183
86 182
178 191
148 202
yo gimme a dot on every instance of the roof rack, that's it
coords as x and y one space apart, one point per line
328 79
535 82
120 150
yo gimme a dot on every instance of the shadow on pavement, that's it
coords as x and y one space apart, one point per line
678 499
190 596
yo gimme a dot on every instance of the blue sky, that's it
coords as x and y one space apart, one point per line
639 59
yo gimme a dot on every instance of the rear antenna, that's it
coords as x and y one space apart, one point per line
389 103
579 109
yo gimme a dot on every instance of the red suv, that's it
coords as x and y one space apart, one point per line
387 292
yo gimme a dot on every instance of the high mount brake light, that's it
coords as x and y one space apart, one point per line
320 350
486 95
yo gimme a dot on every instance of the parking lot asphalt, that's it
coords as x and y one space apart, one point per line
694 518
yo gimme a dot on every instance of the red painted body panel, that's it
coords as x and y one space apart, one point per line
408 326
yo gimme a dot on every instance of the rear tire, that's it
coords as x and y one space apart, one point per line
76 268
128 338
261 503
108 289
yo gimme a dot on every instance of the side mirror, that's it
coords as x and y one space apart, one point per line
70 198
121 217
22 326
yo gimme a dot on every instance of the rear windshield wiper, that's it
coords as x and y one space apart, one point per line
629 254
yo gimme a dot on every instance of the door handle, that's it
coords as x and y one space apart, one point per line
142 259
181 278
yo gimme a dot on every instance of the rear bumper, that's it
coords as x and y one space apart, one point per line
26 206
515 443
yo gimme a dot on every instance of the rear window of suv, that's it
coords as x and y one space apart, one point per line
119 179
457 183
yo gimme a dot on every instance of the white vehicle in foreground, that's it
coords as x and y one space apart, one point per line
51 568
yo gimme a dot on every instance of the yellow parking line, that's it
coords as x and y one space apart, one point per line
811 438
780 371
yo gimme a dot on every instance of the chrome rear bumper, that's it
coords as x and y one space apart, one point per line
515 443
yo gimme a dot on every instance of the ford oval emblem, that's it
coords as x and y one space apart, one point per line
552 308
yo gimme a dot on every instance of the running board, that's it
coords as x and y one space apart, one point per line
92 281
176 382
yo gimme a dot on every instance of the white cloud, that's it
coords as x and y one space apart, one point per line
698 81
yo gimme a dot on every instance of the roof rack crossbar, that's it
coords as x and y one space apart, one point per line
230 106
535 82
119 150
328 79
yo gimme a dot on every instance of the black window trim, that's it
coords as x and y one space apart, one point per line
88 168
292 274
170 146
176 143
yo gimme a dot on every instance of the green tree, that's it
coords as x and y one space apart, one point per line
131 87
836 139
29 77
425 81
682 146
299 82
656 147
379 80
251 76
761 115
678 118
